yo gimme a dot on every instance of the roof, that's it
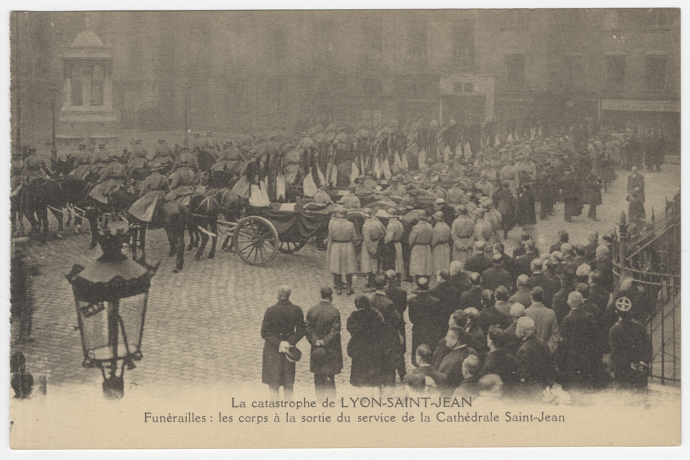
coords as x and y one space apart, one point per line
87 39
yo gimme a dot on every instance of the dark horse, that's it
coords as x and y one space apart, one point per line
204 212
220 185
170 215
35 199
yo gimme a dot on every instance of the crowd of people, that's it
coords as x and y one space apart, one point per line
531 322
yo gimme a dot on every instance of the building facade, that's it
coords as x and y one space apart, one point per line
229 71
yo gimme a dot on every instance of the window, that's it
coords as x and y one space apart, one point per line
77 85
238 100
372 87
463 44
277 42
515 69
656 72
277 95
615 71
97 84
416 39
572 71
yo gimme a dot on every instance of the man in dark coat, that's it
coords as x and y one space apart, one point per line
563 238
544 194
282 327
580 349
429 323
399 298
570 193
539 279
391 339
631 349
522 295
526 214
451 366
496 275
533 357
323 333
506 205
473 297
479 260
524 262
499 361
592 193
424 357
450 300
636 180
598 295
489 315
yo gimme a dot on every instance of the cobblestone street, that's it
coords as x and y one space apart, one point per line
202 325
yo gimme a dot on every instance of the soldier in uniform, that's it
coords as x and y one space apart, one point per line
139 149
350 201
229 160
367 186
455 194
570 192
373 233
509 177
321 196
101 161
484 186
340 255
153 188
137 161
82 162
110 180
462 233
420 239
483 229
181 184
391 253
211 144
163 155
34 167
440 243
396 188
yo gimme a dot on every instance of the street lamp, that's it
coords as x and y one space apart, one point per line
111 294
54 89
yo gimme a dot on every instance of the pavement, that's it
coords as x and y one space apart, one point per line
203 324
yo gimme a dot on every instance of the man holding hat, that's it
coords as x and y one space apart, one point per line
340 255
323 333
153 189
110 180
462 233
440 243
373 234
282 327
391 253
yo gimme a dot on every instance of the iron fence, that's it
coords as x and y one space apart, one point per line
651 256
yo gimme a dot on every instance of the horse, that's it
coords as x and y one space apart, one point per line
35 200
220 185
170 215
204 210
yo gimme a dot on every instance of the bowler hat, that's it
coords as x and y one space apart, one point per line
293 354
319 355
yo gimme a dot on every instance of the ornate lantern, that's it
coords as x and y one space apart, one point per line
111 296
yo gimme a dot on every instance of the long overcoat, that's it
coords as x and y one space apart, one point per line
365 327
283 321
323 323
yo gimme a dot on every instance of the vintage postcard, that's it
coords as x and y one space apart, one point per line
345 228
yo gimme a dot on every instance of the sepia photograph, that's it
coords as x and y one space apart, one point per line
344 228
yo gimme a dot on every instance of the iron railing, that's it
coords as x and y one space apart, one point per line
650 255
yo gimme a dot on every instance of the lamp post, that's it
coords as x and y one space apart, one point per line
54 89
111 295
185 89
